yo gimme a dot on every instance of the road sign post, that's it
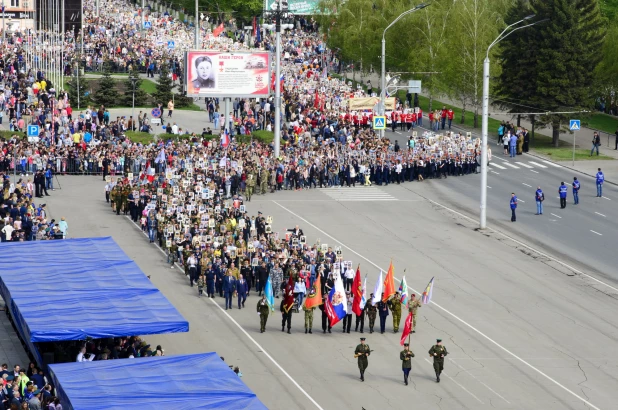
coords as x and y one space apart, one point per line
171 44
147 24
33 131
379 122
574 126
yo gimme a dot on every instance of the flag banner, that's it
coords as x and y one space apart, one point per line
160 157
403 289
407 328
268 292
377 290
288 300
337 304
357 292
225 138
364 300
426 298
389 283
218 30
314 298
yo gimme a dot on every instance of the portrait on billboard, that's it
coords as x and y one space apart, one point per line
205 73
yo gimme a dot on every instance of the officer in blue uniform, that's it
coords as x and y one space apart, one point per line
211 275
576 187
539 197
513 204
600 180
562 191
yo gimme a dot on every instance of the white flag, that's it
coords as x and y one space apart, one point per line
377 290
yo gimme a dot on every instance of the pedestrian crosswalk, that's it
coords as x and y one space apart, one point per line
503 164
357 194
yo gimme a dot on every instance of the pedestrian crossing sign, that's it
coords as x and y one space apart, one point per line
379 123
574 125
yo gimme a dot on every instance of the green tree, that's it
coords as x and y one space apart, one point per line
164 87
141 98
106 93
77 88
551 66
605 74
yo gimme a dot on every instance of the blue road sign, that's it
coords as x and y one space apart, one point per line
171 44
33 130
574 125
156 112
147 24
379 122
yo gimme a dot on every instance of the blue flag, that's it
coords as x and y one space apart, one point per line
268 292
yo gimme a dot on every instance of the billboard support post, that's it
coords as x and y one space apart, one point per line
278 89
228 118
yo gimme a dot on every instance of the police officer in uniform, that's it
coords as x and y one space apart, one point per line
406 356
438 352
362 353
262 309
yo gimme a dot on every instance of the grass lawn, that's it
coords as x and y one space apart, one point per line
603 122
148 86
192 107
566 154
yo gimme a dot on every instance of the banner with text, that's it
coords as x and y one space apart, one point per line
296 6
368 103
218 74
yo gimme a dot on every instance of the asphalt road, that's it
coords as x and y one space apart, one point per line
523 331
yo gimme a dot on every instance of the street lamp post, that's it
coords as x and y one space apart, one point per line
383 75
278 14
485 118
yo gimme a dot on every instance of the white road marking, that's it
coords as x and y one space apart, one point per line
497 173
600 214
606 198
498 166
559 217
534 171
523 165
523 183
557 383
474 377
552 164
488 187
455 381
511 165
244 331
600 234
537 164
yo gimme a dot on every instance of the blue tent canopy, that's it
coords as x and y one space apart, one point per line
199 381
76 288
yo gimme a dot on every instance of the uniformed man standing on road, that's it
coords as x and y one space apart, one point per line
383 312
361 353
395 306
308 318
406 361
372 311
562 191
413 305
262 309
438 352
250 186
286 317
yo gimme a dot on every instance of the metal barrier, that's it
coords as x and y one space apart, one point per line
82 166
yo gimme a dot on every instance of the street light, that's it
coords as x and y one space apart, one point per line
502 36
281 12
382 77
134 81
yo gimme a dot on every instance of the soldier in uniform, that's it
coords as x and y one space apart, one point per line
250 185
262 309
115 198
383 312
438 352
406 361
360 319
362 353
285 317
372 312
233 270
325 319
264 181
308 318
276 274
201 282
211 276
413 305
124 198
395 305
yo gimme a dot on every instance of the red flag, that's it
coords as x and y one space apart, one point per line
272 82
407 328
288 298
254 26
218 30
357 292
315 294
330 312
389 283
316 99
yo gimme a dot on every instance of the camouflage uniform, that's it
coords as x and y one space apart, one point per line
277 278
263 310
308 318
413 306
264 181
250 186
372 311
395 306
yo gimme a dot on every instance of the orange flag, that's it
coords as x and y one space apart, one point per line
389 283
314 298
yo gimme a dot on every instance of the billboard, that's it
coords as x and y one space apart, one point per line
221 74
296 6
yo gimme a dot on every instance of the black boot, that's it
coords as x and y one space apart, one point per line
289 333
310 332
405 380
306 331
282 328
437 377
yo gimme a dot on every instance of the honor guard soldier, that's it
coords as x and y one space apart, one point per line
406 356
413 305
308 318
362 353
250 185
395 306
372 312
262 310
438 352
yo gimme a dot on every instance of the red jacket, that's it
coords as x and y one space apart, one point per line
450 114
